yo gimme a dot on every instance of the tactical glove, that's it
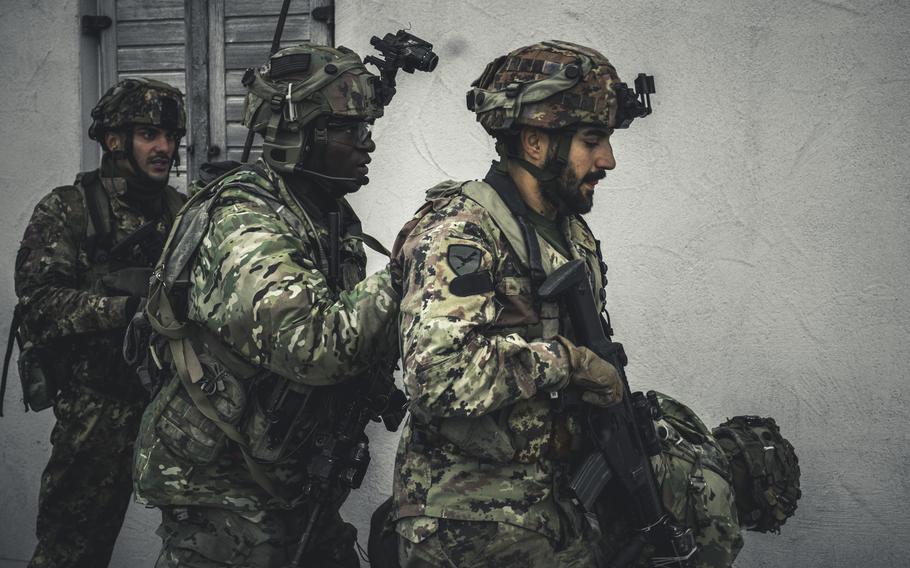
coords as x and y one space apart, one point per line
598 379
128 282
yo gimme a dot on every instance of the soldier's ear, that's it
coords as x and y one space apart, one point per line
534 145
113 141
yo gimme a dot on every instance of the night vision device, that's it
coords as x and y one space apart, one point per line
403 51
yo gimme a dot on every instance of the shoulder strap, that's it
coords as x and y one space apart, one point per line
500 198
98 213
173 202
13 337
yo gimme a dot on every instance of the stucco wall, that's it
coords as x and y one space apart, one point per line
755 226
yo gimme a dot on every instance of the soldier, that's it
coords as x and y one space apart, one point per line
484 462
270 328
481 466
81 272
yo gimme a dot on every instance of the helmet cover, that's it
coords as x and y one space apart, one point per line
297 86
139 101
765 471
550 85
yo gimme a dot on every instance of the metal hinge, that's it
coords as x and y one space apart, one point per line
94 25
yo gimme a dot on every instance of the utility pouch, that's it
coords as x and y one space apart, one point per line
182 427
43 368
42 371
280 418
480 437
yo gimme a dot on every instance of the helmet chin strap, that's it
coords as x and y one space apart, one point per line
547 176
319 135
130 156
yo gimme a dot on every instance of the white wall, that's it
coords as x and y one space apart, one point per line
756 226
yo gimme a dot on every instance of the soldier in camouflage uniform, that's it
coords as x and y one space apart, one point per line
483 464
77 292
262 309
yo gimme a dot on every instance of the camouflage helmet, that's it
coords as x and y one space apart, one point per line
551 85
765 471
139 101
301 85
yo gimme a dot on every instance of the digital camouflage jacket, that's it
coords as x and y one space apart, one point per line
62 298
484 441
258 284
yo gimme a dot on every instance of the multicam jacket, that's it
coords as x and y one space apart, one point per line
484 441
58 281
258 284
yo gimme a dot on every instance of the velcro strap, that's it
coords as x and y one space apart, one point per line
530 92
371 242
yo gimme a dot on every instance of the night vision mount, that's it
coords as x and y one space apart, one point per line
633 104
403 51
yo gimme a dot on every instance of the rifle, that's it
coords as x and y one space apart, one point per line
623 435
343 453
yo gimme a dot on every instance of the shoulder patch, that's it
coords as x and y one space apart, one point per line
472 284
464 259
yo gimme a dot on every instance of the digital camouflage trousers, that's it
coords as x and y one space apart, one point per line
479 544
205 537
86 486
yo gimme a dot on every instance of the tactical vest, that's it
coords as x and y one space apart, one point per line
42 373
522 312
533 439
493 436
215 396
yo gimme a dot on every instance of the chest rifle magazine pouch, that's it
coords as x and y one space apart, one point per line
182 427
280 418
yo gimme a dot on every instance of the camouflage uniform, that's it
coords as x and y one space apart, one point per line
483 463
65 306
483 442
259 295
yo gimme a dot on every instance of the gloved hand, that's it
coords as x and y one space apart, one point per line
597 378
128 282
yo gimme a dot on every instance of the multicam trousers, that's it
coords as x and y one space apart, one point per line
205 537
86 486
478 544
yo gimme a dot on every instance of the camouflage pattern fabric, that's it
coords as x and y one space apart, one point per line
473 544
257 285
197 537
311 82
483 442
85 488
345 92
581 95
139 101
696 487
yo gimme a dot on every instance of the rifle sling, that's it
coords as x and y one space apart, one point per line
190 372
507 191
13 337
